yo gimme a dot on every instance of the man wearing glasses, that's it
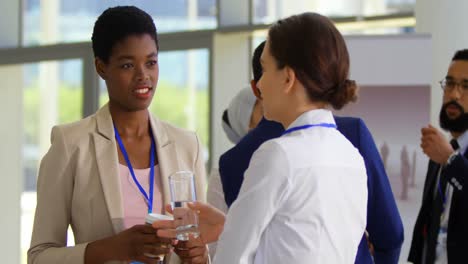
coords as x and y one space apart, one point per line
441 231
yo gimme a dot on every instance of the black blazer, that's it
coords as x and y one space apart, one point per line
457 233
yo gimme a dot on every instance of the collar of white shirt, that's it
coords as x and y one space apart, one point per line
311 117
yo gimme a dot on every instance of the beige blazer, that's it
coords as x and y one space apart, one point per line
78 184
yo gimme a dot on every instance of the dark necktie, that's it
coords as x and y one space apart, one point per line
454 144
436 212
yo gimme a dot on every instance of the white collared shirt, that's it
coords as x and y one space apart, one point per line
303 200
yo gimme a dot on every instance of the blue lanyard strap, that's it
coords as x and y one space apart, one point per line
149 198
292 129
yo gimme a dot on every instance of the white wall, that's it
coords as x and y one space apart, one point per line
11 114
230 74
10 134
390 60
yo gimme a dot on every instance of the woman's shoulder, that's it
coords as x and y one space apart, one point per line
276 148
74 131
173 132
86 123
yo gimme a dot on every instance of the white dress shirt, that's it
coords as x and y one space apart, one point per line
303 200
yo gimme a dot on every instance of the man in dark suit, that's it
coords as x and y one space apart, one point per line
441 231
385 238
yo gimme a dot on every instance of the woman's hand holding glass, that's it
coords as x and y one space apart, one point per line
190 219
150 218
133 244
210 223
193 251
140 242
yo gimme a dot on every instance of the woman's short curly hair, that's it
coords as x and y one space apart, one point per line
117 23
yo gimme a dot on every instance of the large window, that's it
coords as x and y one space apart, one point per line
52 94
55 21
267 11
395 15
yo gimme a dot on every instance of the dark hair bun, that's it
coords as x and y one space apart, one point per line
345 92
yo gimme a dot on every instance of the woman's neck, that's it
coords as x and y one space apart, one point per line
299 102
291 115
130 124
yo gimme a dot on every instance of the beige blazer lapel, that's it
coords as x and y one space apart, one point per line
167 156
107 163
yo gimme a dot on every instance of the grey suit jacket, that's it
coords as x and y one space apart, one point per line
78 184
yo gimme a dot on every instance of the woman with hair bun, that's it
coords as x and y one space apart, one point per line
304 196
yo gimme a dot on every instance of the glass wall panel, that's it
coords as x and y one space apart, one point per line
268 11
55 21
52 94
404 25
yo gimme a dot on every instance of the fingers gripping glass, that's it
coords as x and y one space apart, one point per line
150 218
182 190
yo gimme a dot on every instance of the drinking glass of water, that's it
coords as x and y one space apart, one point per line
182 190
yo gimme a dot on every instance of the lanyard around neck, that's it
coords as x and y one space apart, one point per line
149 198
292 129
